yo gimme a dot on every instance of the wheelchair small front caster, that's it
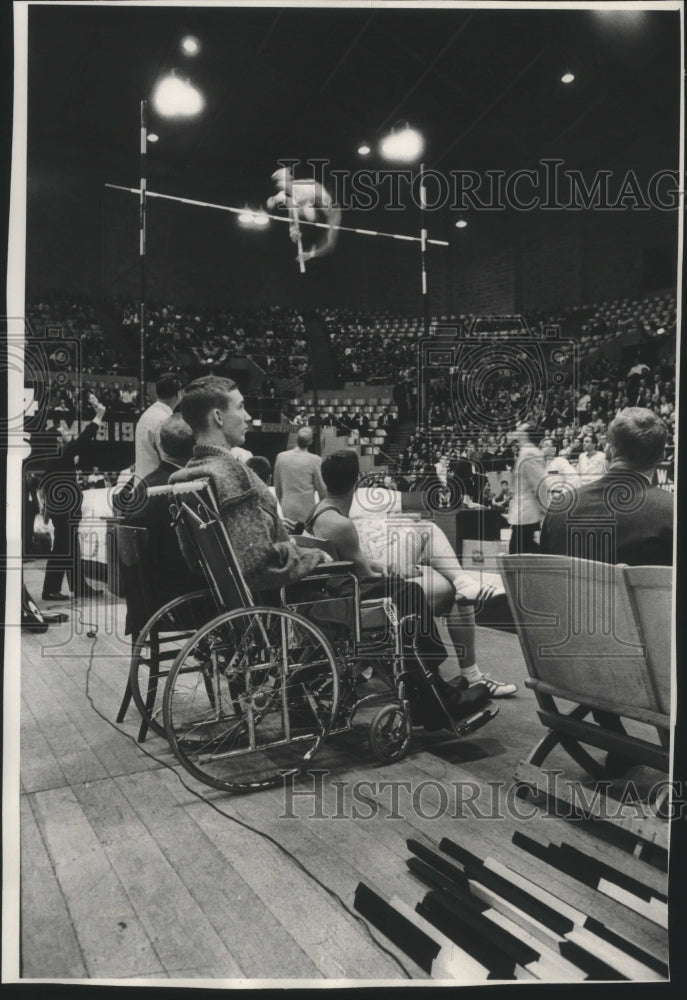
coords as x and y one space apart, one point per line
390 732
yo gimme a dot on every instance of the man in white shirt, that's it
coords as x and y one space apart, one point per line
560 474
591 465
526 509
168 390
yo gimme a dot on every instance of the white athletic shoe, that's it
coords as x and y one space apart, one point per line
470 591
497 689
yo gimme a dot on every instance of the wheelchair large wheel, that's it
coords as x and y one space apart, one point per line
390 732
157 646
250 698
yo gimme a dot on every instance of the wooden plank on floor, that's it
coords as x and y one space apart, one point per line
649 828
112 939
117 751
493 837
72 752
49 947
340 852
237 914
331 937
171 917
558 831
114 751
40 768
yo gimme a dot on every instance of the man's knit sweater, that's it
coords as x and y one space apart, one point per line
249 513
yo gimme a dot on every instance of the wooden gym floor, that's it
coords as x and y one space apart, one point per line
132 870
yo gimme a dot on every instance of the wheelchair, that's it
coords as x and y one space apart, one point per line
255 691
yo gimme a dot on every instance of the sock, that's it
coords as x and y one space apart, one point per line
467 587
471 674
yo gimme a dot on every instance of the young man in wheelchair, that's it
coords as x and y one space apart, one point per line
330 521
213 408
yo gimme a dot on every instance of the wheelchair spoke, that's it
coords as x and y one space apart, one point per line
252 695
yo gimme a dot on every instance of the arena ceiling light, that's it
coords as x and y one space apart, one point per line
261 219
461 223
152 137
190 45
403 144
364 149
174 97
246 218
567 77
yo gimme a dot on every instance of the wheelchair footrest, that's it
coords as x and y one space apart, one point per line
474 722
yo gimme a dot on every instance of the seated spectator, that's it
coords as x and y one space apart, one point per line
213 408
424 560
622 517
591 464
96 480
171 576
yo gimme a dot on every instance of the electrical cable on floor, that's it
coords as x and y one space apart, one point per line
93 635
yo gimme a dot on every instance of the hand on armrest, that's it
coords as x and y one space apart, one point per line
332 568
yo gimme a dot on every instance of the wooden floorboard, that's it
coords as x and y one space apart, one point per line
258 942
173 921
40 768
50 940
334 941
113 941
129 872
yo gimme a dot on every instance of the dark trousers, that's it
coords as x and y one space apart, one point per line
65 557
522 539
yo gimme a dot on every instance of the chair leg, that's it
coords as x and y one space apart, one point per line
126 699
571 746
153 676
584 759
143 731
543 748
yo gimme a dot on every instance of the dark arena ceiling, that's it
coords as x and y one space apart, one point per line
483 86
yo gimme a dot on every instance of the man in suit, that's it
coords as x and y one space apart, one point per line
297 478
63 503
170 575
621 517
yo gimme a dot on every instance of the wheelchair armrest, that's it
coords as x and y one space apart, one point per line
339 568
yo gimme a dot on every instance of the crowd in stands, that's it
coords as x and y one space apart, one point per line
69 403
184 339
382 345
199 341
564 413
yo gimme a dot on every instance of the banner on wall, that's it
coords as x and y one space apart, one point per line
665 478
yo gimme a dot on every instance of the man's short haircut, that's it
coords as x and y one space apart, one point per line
638 436
211 392
304 437
176 439
261 467
340 471
167 386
